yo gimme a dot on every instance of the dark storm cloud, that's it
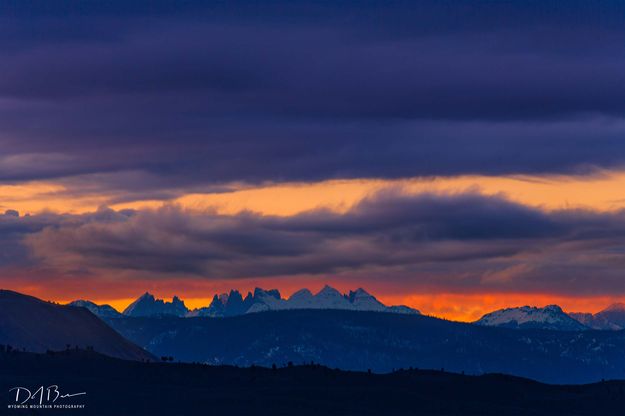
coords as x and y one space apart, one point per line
429 217
14 228
196 93
12 231
457 242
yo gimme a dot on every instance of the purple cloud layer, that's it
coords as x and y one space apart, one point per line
158 96
463 242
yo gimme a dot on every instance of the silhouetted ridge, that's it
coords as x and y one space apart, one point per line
361 340
30 323
302 390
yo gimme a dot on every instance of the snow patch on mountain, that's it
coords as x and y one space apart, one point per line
271 300
147 305
103 311
549 317
611 318
234 304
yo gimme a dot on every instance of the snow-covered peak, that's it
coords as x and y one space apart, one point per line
549 317
261 293
302 299
552 309
328 291
223 298
613 317
330 298
358 293
266 300
103 311
601 320
615 307
144 299
403 309
361 300
233 304
327 298
301 295
216 307
145 296
147 305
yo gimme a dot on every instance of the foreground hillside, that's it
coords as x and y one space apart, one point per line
133 388
382 342
34 325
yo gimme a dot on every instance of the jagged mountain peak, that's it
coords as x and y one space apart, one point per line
612 317
326 298
234 296
233 304
302 293
358 294
275 293
148 305
146 295
329 292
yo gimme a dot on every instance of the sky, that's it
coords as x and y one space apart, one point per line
456 156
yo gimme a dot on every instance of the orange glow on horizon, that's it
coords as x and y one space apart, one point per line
471 307
452 306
